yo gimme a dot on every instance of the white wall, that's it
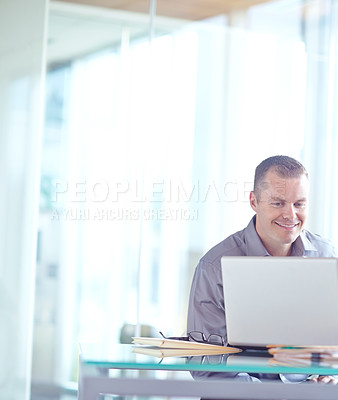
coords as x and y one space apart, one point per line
22 25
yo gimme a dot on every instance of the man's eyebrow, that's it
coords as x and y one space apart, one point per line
275 198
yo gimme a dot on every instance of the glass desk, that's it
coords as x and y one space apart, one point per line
119 370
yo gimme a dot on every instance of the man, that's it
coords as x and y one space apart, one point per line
280 202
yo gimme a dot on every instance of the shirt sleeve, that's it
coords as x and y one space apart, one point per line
206 311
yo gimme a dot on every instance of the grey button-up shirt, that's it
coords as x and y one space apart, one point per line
206 311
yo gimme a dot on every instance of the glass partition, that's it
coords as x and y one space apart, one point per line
22 49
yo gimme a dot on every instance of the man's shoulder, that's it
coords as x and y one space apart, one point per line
233 245
323 246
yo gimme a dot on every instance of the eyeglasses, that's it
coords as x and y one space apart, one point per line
197 336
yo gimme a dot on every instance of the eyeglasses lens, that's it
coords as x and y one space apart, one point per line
215 339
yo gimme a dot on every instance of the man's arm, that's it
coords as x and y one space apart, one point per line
206 304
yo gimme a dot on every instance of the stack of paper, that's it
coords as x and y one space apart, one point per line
160 347
325 356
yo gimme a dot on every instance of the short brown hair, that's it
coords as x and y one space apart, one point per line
284 166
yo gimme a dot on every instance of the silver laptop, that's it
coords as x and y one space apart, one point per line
281 300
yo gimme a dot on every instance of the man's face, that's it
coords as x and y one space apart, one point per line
281 211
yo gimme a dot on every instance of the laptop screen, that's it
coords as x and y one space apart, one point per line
280 300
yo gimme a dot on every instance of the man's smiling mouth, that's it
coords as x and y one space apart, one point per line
290 226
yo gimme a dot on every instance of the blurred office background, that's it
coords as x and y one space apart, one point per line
129 136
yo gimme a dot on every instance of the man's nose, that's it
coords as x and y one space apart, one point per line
289 212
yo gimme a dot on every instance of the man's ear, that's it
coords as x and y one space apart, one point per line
253 201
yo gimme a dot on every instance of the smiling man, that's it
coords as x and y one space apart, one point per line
280 201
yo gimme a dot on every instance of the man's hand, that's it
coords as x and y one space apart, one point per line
325 379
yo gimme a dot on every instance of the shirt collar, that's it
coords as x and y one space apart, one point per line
302 245
256 248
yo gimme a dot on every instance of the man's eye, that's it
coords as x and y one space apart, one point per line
300 205
277 204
